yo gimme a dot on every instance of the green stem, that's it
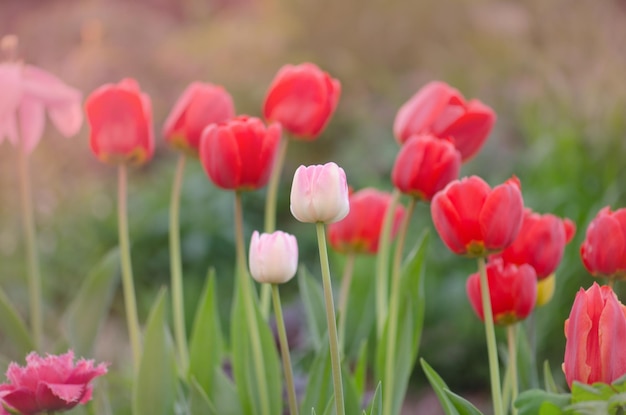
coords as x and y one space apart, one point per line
382 264
492 351
127 272
176 267
611 283
330 319
284 350
270 212
511 336
255 336
346 281
394 304
32 255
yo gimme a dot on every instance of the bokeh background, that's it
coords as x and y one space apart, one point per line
554 72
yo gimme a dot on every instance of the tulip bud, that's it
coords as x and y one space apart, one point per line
545 290
319 194
273 257
603 251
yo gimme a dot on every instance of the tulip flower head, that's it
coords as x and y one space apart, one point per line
302 98
27 93
238 154
595 335
120 117
603 251
319 194
474 220
513 291
273 257
49 384
441 110
425 165
199 105
359 231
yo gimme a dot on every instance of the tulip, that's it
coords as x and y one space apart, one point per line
238 154
48 384
302 98
359 231
199 105
441 110
120 117
273 257
540 242
595 335
319 194
603 251
425 165
512 288
474 220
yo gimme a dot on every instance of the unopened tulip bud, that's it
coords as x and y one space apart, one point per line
273 257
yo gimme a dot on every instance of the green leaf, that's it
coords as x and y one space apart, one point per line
360 370
376 406
548 379
199 403
540 402
462 405
225 398
440 387
595 392
360 314
84 317
13 328
313 300
154 390
206 345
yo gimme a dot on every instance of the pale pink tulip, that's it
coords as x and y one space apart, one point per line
273 257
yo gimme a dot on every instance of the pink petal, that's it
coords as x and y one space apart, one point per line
8 128
11 87
51 393
32 121
67 118
47 88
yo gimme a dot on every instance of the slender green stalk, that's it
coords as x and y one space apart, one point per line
255 336
492 351
32 255
176 267
127 270
330 319
284 351
511 337
382 264
611 283
270 212
394 304
346 281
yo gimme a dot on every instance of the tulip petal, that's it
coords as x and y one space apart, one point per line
32 121
11 87
501 217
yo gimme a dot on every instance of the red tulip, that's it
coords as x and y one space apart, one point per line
49 384
513 291
425 165
473 219
441 110
120 117
595 335
359 232
540 242
302 98
239 154
604 249
199 105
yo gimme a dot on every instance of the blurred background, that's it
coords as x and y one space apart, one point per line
554 72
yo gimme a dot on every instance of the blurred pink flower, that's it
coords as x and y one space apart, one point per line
51 383
27 93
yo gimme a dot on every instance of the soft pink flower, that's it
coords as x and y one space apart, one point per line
27 93
51 383
273 257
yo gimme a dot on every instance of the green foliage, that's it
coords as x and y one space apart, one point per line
13 327
313 300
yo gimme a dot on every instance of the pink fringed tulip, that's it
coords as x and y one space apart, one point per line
302 98
441 110
319 194
513 291
49 384
595 335
120 116
425 165
273 257
359 232
603 251
473 219
199 105
27 93
239 154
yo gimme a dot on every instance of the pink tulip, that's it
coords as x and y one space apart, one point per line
273 257
27 93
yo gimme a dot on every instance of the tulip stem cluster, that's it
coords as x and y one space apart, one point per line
330 318
492 351
342 307
127 272
30 234
176 267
